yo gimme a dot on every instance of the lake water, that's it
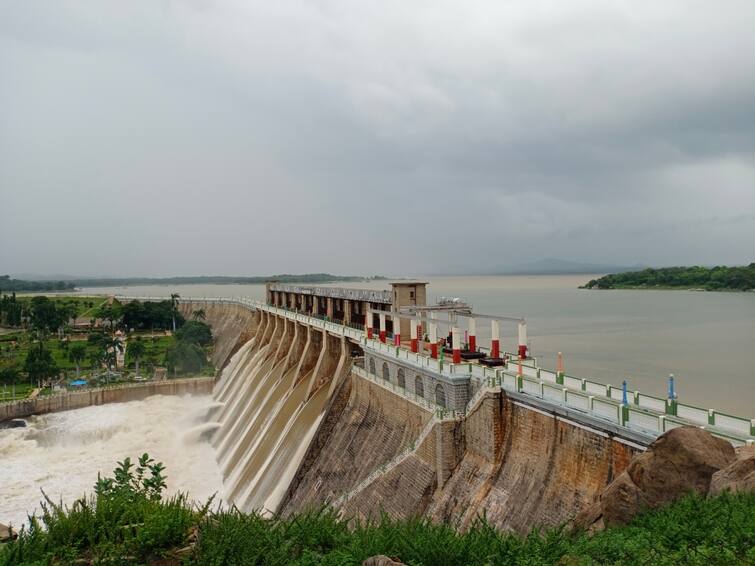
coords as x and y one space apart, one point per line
707 340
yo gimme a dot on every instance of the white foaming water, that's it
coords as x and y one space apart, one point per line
62 453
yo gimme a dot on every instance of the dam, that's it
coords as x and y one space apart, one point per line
353 398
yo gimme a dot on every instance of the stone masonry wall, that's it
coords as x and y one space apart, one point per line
374 426
541 472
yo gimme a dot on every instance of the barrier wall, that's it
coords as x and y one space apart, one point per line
116 394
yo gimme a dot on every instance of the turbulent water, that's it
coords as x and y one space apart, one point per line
62 453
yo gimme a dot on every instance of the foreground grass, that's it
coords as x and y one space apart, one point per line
126 522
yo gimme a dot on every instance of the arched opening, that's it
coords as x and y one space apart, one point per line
386 373
440 395
419 387
372 366
401 378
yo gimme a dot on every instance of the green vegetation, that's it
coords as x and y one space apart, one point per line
711 279
48 348
9 285
126 522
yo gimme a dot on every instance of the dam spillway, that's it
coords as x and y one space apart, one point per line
313 411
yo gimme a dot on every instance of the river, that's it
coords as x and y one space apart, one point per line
62 453
707 340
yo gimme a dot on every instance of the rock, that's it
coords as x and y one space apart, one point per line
621 499
738 476
680 461
14 423
381 560
6 534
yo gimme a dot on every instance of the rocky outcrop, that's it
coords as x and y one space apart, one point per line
739 476
6 534
381 560
681 461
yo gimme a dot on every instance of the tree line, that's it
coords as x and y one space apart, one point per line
8 285
41 317
719 278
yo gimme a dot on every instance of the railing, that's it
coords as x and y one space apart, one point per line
643 413
371 295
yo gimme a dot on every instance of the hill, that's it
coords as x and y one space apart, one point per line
719 278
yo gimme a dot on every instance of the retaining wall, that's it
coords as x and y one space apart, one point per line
100 396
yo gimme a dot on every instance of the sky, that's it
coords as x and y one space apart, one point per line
241 137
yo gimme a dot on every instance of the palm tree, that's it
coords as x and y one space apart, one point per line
136 350
198 315
76 354
174 308
112 346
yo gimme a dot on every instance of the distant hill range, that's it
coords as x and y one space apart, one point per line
552 266
67 283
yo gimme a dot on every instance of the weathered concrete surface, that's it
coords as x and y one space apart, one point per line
542 471
86 398
357 437
681 461
232 326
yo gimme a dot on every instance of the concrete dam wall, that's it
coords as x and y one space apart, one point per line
300 423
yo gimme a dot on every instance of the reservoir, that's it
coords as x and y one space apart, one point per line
706 339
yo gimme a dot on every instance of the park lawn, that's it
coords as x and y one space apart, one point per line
86 307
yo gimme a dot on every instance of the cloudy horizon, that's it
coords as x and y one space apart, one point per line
248 138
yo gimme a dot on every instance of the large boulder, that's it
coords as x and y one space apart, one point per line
381 560
6 533
737 476
680 461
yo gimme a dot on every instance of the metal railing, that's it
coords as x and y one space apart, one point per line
367 295
643 413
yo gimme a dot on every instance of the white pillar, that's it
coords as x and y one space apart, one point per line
522 339
382 327
413 329
456 344
495 340
433 337
472 335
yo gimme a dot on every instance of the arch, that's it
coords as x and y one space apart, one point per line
386 372
440 395
401 378
419 387
372 366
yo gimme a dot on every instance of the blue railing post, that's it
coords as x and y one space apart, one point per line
671 402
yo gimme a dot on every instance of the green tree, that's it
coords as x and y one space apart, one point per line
44 316
136 349
198 315
76 354
185 357
39 363
113 313
195 332
174 308
111 346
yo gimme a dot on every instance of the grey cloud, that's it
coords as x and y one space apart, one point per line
248 137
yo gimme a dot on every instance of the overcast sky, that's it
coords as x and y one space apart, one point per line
240 137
